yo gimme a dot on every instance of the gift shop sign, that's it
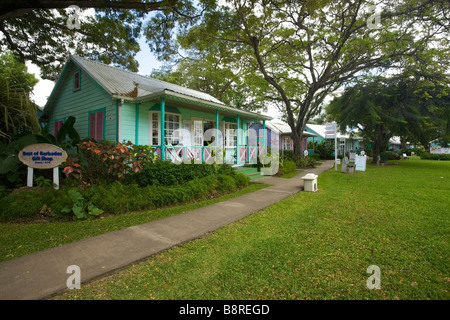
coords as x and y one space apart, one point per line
42 156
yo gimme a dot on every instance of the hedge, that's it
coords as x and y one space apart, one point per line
116 198
433 156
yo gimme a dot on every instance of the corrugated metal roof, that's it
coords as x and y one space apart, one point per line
124 83
284 128
320 130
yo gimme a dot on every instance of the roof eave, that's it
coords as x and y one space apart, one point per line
170 93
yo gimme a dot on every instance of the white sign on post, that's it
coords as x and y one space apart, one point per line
42 156
360 163
330 133
330 130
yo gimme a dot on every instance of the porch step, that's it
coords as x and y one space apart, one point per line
250 172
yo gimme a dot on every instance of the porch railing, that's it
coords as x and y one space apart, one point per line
210 154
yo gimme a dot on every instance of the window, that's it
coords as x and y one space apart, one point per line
172 122
351 145
76 81
96 124
287 143
230 135
197 132
154 129
58 125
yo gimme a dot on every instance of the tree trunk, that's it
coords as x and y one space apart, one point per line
297 144
380 142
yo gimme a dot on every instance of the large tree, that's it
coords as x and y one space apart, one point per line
211 73
411 105
296 53
44 31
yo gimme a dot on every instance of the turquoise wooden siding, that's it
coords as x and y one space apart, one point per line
136 127
127 122
79 103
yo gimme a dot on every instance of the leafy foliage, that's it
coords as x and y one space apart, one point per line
81 207
107 161
410 105
287 166
429 156
294 54
42 32
12 171
18 114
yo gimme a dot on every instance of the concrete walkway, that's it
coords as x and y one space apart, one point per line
42 274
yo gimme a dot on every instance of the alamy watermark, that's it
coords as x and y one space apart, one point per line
73 21
257 146
74 281
374 281
374 20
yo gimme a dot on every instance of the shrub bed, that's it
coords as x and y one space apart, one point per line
164 173
306 162
286 167
390 155
429 156
115 198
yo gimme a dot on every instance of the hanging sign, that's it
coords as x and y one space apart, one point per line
42 156
330 133
330 130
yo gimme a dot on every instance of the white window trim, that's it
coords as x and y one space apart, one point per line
150 116
165 119
227 141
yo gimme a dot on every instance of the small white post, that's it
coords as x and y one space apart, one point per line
30 177
56 177
335 152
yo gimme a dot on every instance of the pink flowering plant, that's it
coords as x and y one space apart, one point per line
103 161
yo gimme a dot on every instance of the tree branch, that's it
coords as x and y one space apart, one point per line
17 8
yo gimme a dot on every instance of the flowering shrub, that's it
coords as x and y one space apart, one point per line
107 161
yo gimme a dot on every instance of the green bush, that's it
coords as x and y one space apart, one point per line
241 180
316 156
429 156
226 183
306 162
30 202
226 169
165 173
120 197
391 155
286 167
288 154
325 150
417 151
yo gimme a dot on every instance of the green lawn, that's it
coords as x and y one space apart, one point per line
313 245
20 239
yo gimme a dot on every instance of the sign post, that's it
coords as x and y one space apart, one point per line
42 156
330 133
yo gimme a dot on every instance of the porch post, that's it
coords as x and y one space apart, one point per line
217 119
264 133
216 138
136 133
163 120
237 138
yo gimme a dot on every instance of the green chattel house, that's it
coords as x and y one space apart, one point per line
114 104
